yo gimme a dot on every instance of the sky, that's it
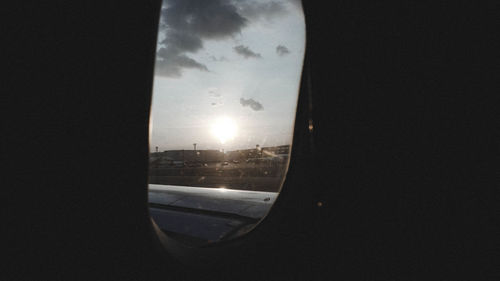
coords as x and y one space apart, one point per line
227 74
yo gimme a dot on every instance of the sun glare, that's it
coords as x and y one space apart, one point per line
224 128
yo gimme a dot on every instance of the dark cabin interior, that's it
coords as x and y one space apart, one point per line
403 156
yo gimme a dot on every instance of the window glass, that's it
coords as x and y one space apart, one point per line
225 93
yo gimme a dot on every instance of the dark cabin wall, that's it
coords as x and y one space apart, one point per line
403 155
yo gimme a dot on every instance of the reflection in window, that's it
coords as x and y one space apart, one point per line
225 92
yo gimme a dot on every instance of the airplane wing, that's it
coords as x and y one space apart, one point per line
202 215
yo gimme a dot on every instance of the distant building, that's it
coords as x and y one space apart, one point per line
281 151
210 156
189 155
171 157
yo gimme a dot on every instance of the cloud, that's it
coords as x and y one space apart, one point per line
296 3
246 52
221 58
257 10
216 97
214 19
267 10
219 103
186 24
172 66
213 92
255 105
282 50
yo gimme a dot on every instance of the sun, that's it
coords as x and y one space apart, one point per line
224 128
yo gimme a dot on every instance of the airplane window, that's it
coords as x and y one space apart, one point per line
226 84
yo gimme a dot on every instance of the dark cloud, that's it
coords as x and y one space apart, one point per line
255 105
187 62
182 42
186 24
282 50
246 52
214 19
172 66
